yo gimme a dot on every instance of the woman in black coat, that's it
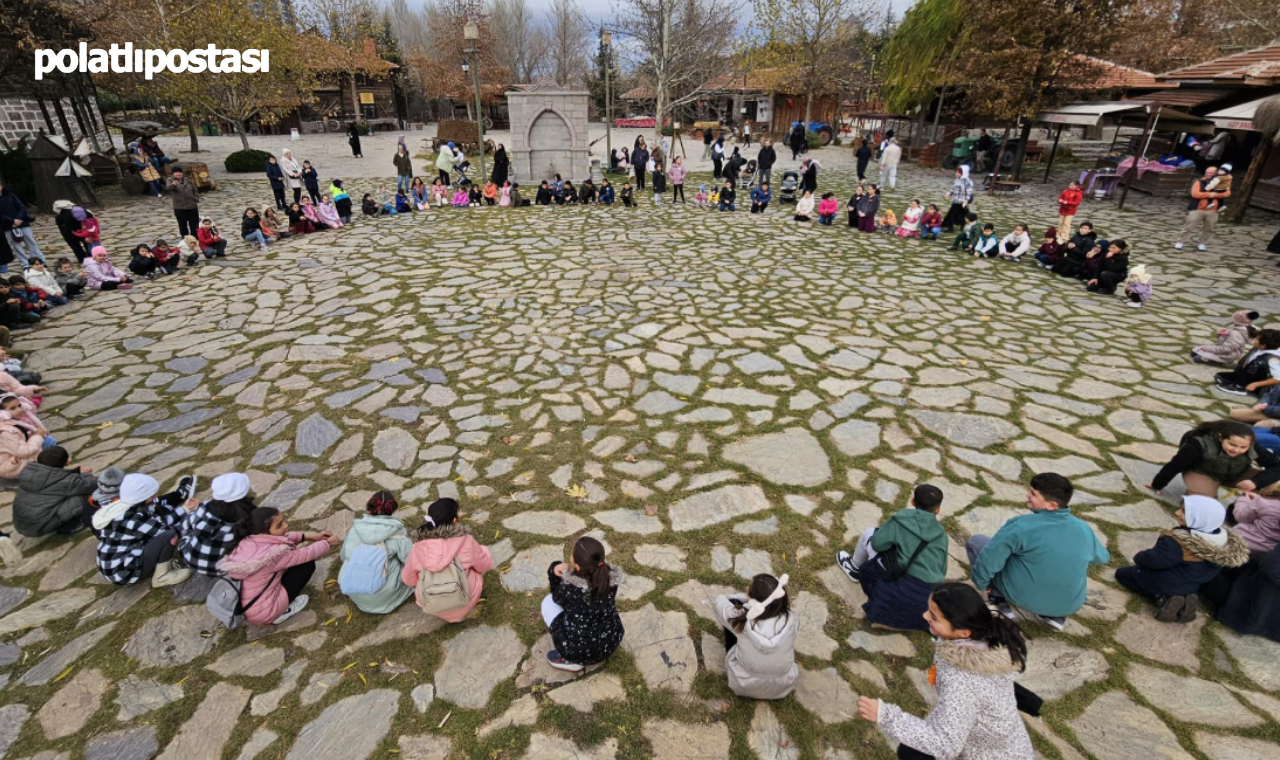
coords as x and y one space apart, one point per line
809 176
501 165
353 139
67 226
276 176
799 141
1248 599
863 155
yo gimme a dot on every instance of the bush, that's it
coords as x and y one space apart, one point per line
668 130
247 161
812 138
363 128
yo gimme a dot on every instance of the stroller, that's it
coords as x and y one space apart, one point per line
747 179
460 174
790 184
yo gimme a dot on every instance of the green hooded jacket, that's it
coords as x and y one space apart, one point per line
906 530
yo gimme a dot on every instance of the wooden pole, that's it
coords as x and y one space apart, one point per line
1053 152
1240 199
995 169
1133 169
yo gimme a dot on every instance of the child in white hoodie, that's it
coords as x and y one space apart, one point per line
760 639
40 277
804 207
1015 244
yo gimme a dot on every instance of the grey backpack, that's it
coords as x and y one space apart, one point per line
223 601
445 591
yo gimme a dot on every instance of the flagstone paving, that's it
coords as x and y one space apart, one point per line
711 395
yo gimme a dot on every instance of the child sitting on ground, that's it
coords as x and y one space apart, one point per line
931 223
504 195
212 530
987 244
888 221
167 259
52 497
373 556
968 235
1185 558
39 300
13 366
402 203
474 195
543 196
70 278
272 566
460 197
700 197
517 201
1050 251
137 531
759 638
439 193
1113 270
444 548
490 193
386 203
42 278
1015 244
827 209
1138 287
607 194
581 611
804 207
911 219
628 198
1231 342
368 206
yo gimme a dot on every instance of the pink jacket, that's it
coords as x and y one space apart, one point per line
258 562
10 384
677 174
828 206
434 554
1258 521
99 272
19 445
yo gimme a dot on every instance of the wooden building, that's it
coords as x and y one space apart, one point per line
770 99
339 98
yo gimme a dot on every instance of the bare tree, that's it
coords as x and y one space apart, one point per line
519 42
815 34
676 44
409 24
567 42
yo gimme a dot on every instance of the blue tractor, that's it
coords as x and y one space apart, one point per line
825 132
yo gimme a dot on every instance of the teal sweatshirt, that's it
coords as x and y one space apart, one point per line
373 529
1040 562
905 530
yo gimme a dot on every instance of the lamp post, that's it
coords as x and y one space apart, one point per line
471 33
606 40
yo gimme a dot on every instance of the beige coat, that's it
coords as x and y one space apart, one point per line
762 665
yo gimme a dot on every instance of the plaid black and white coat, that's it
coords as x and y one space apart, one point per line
205 540
120 544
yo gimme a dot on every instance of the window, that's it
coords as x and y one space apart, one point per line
368 111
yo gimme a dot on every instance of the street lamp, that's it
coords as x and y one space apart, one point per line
606 40
471 33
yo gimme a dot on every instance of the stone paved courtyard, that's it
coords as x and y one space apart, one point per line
714 395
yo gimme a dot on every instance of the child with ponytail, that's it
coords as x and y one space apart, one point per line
374 553
760 639
442 542
976 656
581 610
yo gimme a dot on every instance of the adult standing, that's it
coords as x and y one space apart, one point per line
961 196
890 157
186 203
640 160
444 162
275 175
863 154
981 150
717 158
501 165
809 175
292 173
658 155
635 148
68 225
1202 210
765 161
707 139
404 169
799 141
15 222
353 139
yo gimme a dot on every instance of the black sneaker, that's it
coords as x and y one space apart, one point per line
1189 607
1169 609
187 487
1233 389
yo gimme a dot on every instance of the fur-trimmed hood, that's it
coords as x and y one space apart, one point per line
616 578
1195 548
255 553
974 657
452 530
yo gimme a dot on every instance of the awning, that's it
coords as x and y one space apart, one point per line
1236 117
1125 113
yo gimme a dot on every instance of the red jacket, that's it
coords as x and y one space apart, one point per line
163 256
1069 201
931 219
207 238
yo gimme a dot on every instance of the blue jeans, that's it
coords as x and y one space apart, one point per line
1267 438
27 248
56 300
404 182
49 441
257 238
826 219
1043 258
725 206
933 232
154 187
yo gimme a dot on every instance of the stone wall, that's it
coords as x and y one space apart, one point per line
549 135
21 116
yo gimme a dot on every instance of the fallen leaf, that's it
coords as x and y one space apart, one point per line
651 510
64 673
576 491
106 425
631 458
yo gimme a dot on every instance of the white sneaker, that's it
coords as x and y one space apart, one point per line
1135 304
170 573
1178 245
297 605
1202 247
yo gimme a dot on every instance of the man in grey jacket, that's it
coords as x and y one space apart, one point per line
52 498
186 202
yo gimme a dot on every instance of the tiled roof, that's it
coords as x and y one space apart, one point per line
1258 67
1113 76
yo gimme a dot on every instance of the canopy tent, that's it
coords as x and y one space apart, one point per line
1237 117
1147 114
